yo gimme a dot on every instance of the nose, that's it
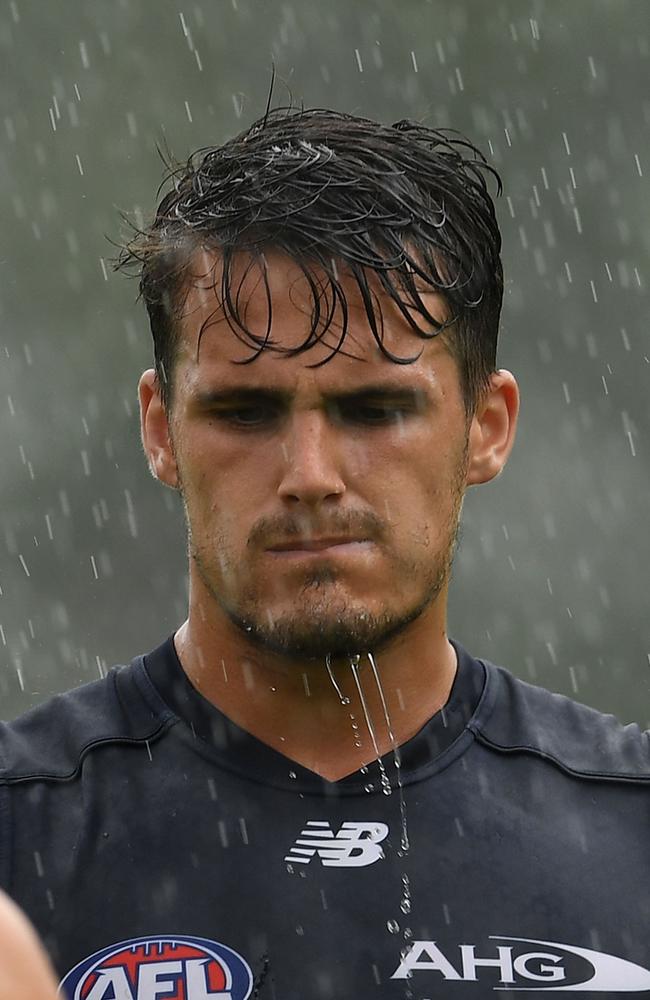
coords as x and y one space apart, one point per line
311 473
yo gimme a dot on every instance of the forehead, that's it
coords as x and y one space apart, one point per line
275 301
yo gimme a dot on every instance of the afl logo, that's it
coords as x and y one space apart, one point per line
160 968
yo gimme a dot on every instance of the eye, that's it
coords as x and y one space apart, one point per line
250 415
370 413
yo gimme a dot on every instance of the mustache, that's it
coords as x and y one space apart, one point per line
270 531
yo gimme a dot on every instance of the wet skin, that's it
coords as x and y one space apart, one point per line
322 506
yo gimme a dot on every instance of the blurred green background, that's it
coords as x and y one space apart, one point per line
552 572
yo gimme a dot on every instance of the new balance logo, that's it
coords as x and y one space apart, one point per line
356 845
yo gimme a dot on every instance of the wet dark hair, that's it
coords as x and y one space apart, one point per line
335 193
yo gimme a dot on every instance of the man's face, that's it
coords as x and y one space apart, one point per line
322 502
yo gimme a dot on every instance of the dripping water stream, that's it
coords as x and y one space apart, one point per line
405 901
397 760
383 777
342 698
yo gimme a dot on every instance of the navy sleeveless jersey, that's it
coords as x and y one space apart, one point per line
165 854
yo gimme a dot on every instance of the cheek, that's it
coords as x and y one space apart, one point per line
393 461
425 490
363 458
224 500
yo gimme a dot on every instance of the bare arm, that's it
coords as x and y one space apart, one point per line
25 971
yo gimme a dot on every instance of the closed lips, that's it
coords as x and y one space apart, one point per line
313 544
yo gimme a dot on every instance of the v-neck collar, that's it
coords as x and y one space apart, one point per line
241 752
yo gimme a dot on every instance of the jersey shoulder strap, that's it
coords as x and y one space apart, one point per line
517 717
51 740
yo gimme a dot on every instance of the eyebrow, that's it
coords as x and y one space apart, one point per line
244 393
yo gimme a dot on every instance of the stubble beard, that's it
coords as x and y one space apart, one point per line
321 623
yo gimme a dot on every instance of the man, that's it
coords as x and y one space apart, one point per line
308 791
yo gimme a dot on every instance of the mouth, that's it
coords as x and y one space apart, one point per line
314 547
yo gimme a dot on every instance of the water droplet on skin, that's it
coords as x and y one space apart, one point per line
392 926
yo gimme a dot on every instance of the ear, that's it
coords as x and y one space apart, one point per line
154 427
492 430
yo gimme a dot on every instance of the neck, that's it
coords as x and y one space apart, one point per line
334 716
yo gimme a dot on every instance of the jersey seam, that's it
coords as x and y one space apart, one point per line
7 780
624 778
164 719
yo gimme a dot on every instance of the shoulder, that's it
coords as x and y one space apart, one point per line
26 972
51 740
514 716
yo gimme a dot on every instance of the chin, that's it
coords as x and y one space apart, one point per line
312 634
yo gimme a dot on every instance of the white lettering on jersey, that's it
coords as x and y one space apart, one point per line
155 981
151 984
356 845
425 956
608 973
196 982
113 979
